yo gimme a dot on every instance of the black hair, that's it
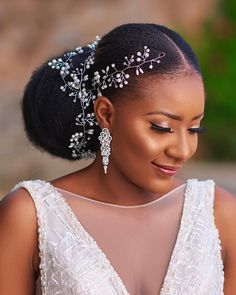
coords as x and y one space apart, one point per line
49 113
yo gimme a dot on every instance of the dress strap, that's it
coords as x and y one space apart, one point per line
197 262
210 198
38 191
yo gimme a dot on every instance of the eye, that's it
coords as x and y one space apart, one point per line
198 130
161 128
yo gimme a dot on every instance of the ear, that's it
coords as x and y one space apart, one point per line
104 111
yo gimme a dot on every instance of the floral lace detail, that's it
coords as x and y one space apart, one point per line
196 265
32 187
72 263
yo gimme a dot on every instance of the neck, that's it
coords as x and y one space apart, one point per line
115 188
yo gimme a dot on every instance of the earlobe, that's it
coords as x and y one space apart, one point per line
104 111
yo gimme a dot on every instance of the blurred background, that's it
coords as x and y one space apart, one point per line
31 31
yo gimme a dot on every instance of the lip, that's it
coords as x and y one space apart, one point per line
165 169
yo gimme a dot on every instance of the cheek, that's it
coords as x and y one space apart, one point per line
137 142
194 144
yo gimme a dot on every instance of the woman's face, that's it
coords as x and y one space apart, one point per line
155 133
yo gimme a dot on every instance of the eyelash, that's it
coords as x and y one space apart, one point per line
198 130
160 128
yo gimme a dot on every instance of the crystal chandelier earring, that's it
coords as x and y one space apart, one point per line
105 140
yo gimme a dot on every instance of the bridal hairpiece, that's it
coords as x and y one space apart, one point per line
74 80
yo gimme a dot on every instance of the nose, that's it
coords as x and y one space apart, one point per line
182 147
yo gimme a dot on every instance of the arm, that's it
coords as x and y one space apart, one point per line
18 244
225 217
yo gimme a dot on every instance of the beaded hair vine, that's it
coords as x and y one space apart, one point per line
75 79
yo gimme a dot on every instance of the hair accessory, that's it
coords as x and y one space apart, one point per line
75 80
105 141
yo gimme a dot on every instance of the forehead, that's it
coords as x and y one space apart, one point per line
183 96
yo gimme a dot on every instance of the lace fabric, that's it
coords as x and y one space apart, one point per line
168 246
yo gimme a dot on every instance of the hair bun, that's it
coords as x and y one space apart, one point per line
49 114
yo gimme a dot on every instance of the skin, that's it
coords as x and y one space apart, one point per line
131 178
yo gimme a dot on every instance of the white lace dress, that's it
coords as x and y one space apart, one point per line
167 246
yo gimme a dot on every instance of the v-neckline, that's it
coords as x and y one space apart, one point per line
79 228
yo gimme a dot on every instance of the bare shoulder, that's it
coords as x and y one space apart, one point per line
225 214
225 205
19 243
225 218
225 200
18 204
18 219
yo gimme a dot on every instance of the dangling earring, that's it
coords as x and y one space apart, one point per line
105 140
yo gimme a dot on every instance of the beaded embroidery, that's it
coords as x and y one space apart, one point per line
195 267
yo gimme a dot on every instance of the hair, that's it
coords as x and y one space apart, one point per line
49 113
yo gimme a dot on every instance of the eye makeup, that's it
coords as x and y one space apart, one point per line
198 130
193 130
161 128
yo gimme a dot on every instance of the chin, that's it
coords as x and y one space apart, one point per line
163 186
158 185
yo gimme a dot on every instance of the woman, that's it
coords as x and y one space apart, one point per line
126 224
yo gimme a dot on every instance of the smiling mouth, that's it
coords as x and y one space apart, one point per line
166 170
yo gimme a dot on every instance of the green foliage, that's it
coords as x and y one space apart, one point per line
217 53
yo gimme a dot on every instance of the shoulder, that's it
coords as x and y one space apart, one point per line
18 205
26 197
18 226
225 200
225 218
225 206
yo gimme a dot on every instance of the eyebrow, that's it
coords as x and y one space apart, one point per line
173 116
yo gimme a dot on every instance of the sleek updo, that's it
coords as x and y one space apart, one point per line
49 113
